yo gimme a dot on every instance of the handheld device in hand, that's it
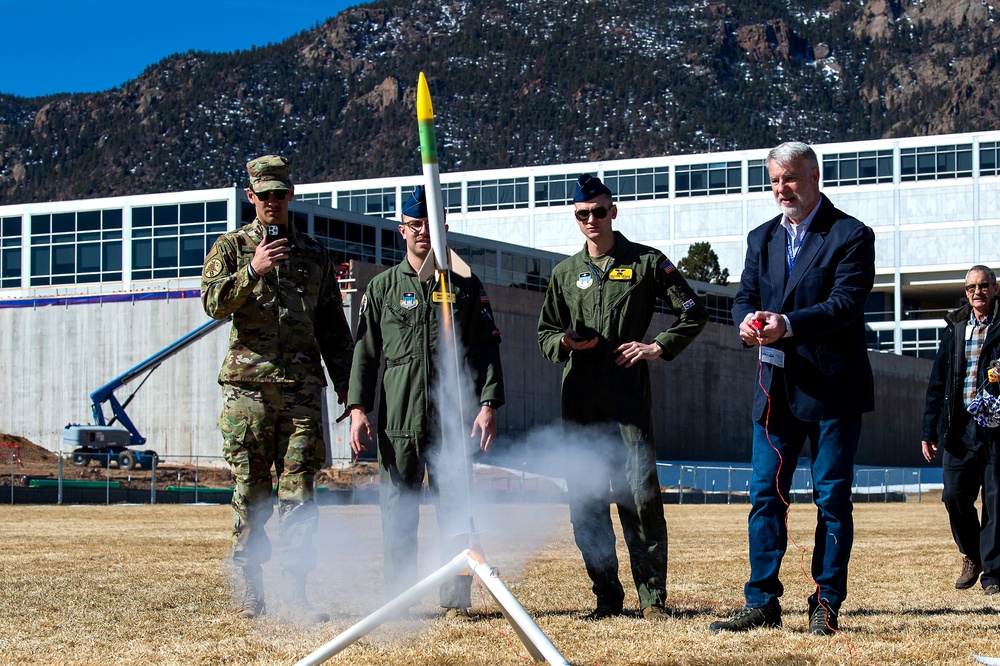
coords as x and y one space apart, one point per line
275 231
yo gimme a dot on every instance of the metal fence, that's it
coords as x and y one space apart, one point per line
715 483
44 477
39 476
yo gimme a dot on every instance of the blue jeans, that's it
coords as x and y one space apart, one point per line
834 445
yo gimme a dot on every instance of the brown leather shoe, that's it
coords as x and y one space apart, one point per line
970 574
655 613
457 614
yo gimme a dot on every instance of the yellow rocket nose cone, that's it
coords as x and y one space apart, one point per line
424 109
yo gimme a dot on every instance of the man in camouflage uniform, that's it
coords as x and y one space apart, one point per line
281 289
399 320
597 308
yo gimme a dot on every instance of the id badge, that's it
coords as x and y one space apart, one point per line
775 357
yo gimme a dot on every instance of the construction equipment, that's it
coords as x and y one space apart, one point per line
106 444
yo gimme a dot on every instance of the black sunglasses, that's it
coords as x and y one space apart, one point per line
279 195
599 213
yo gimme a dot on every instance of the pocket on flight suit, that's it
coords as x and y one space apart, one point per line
401 449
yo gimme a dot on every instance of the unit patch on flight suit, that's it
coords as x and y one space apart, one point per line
688 304
409 301
364 303
585 280
620 274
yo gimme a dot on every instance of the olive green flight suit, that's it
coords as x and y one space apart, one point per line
617 307
399 320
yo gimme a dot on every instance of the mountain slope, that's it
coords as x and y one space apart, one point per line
516 83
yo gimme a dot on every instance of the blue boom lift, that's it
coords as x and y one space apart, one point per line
107 444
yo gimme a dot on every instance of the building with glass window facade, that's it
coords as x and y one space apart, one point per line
934 203
156 242
90 288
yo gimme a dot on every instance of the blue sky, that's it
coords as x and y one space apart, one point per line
58 46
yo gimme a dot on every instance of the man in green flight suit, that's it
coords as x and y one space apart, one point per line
399 319
597 308
281 289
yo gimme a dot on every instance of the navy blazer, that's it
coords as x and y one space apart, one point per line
827 373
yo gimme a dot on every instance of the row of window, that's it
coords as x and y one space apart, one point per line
690 180
351 240
172 240
81 247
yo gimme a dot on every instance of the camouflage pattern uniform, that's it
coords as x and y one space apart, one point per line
616 306
284 323
398 319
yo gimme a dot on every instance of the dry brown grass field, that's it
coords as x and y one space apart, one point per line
149 585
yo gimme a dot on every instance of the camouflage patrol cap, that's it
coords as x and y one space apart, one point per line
269 172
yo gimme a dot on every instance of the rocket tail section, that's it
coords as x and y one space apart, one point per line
454 262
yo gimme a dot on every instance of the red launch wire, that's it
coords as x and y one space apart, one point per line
851 648
510 644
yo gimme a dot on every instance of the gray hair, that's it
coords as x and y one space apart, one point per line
983 269
793 151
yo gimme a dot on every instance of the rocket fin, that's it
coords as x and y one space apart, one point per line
458 265
428 268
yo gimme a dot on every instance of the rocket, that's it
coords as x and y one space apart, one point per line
440 257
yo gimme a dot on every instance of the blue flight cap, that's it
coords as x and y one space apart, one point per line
589 187
416 205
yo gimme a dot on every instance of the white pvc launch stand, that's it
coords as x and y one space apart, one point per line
537 643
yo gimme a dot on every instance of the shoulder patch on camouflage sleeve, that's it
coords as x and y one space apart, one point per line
213 268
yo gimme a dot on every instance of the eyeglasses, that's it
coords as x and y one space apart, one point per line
417 224
599 213
279 195
982 286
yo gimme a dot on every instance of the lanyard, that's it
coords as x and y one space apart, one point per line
792 249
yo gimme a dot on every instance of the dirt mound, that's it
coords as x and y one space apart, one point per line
22 461
23 445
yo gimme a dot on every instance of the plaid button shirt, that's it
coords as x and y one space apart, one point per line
973 343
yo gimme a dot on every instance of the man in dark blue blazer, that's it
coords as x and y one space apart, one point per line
801 300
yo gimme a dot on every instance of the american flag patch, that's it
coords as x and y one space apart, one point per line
688 304
483 298
668 266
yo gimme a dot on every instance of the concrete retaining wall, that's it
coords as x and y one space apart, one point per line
53 357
